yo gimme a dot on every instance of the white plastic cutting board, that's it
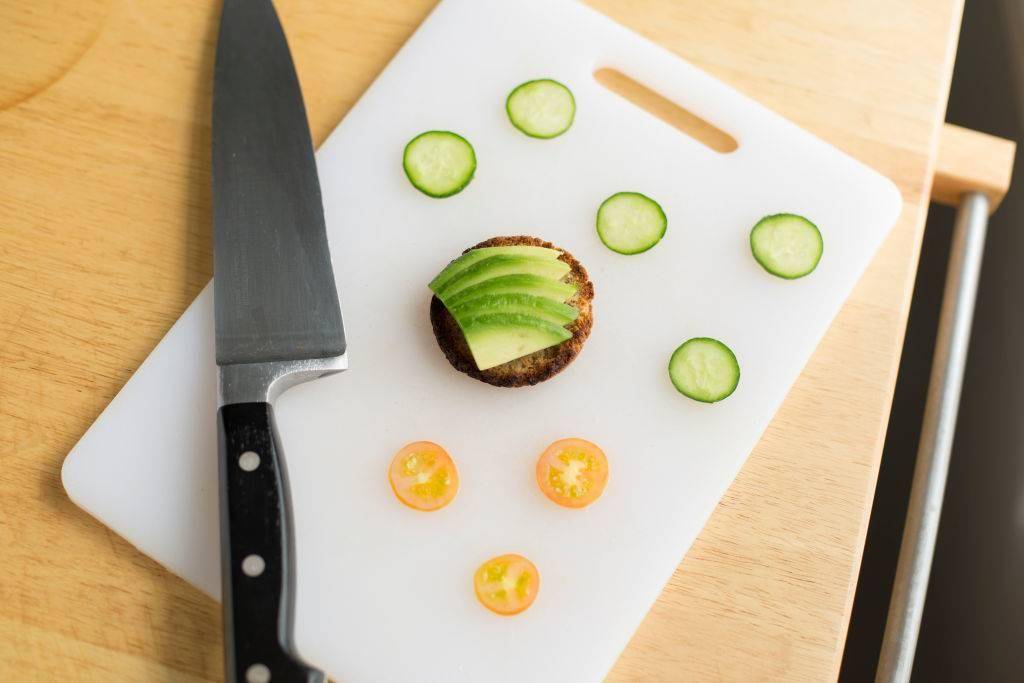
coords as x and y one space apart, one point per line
385 593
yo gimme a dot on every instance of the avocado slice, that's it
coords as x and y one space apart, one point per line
498 338
474 255
515 284
525 304
496 266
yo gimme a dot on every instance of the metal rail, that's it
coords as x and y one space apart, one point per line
937 430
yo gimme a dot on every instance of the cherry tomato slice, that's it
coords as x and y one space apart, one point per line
506 584
572 472
423 476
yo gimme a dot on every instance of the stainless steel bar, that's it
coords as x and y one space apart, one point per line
937 429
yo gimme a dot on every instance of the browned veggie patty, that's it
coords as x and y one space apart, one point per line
538 366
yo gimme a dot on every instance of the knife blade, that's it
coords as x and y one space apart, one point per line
278 322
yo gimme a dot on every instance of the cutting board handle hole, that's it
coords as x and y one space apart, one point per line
702 131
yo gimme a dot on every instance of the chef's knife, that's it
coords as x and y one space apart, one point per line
278 323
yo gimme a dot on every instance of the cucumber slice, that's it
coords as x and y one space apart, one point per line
524 304
474 255
786 245
515 284
630 223
542 109
496 266
704 369
439 163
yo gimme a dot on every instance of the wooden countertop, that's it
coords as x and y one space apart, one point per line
105 237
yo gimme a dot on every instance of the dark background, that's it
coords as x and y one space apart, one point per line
973 629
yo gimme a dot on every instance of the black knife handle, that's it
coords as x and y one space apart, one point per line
257 550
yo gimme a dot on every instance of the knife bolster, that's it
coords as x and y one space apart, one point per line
264 382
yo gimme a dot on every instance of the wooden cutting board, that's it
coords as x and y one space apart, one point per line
372 573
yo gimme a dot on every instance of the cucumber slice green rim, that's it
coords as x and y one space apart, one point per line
439 163
630 223
786 245
542 109
704 369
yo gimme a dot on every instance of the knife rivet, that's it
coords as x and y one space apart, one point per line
253 565
257 673
249 460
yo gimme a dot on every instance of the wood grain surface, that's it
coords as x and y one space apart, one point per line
968 160
105 238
